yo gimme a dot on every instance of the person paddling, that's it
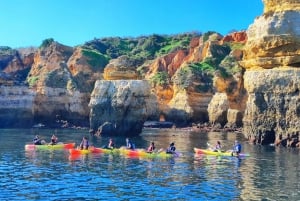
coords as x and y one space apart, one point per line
129 144
151 148
110 145
54 140
237 148
37 140
84 143
171 149
218 146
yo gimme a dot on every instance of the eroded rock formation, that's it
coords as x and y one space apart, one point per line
121 107
271 60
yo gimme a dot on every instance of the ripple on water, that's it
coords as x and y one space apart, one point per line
53 175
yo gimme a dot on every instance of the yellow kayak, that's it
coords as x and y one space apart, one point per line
49 146
217 153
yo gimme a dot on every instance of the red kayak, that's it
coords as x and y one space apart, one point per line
93 150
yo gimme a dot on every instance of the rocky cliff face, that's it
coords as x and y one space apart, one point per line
16 101
121 107
179 71
121 68
185 98
273 38
272 61
57 95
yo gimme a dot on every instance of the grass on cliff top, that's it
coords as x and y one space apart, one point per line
5 50
141 48
95 59
46 43
235 45
172 44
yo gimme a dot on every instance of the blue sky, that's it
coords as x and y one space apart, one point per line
72 22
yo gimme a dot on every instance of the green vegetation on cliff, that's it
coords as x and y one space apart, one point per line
195 75
46 43
96 59
160 78
141 48
32 80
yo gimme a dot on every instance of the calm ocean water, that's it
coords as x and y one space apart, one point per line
268 174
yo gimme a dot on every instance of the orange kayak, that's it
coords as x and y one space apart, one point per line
93 150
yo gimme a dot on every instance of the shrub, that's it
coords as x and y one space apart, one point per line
32 80
95 59
160 78
46 43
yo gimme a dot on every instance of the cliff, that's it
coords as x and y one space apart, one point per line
16 101
179 71
271 59
121 107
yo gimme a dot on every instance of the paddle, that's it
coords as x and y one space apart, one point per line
160 150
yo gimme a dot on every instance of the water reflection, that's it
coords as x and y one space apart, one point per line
189 177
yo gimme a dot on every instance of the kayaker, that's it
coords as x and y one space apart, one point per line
110 145
237 148
129 144
54 140
37 140
171 149
84 143
218 146
151 148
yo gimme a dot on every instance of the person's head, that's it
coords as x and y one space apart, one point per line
37 136
172 144
110 140
152 143
84 137
236 142
127 139
218 142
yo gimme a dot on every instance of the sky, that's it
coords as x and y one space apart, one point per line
26 23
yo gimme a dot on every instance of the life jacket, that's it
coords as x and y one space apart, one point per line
238 148
171 149
151 148
130 145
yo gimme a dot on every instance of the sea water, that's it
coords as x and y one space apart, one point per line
270 173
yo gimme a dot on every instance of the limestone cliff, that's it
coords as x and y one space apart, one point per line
16 101
273 38
187 88
180 69
57 95
121 68
121 107
271 60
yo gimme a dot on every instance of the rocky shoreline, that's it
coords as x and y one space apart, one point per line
246 82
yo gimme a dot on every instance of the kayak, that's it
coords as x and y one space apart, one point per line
217 153
92 150
143 154
49 146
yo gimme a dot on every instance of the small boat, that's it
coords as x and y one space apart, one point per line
92 150
143 154
217 153
49 146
